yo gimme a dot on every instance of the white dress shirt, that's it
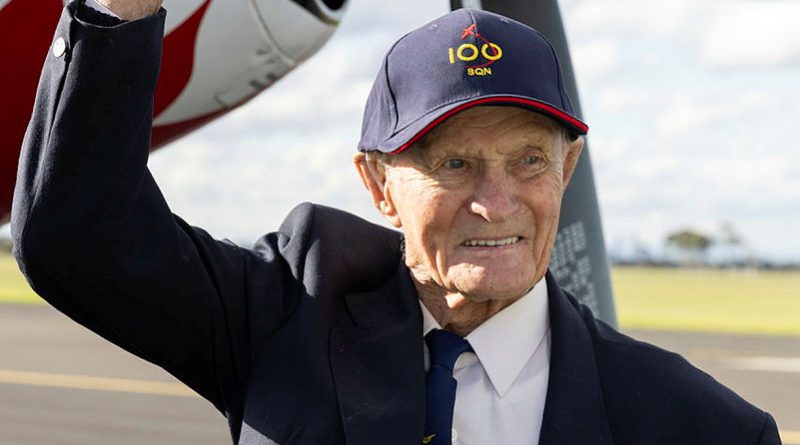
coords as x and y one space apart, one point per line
502 385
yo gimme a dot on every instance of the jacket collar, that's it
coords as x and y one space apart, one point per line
574 409
377 363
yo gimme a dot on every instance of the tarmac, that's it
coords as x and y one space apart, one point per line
62 385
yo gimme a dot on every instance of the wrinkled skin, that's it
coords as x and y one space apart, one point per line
132 9
486 175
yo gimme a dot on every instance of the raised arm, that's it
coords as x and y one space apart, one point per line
94 235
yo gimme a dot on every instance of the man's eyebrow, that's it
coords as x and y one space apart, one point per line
527 147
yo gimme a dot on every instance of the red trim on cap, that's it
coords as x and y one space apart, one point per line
502 99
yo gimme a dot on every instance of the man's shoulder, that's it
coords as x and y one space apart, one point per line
649 368
327 223
646 386
333 247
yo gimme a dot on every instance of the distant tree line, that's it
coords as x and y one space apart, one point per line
689 247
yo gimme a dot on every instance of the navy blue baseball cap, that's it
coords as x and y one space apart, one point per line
463 59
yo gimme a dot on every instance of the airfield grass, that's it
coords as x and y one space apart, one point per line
758 302
755 302
13 287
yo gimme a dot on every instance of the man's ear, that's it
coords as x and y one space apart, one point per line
573 153
373 176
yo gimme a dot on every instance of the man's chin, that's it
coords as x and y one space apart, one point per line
479 283
485 291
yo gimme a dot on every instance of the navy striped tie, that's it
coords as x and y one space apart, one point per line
444 347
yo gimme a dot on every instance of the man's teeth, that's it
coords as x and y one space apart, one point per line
492 242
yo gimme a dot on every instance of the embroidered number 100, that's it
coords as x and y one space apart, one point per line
469 52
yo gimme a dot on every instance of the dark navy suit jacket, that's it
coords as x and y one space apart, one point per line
314 335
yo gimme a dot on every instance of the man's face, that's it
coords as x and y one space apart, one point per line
478 201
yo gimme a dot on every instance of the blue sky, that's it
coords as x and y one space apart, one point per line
693 108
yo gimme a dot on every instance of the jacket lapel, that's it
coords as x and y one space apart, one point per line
574 411
378 366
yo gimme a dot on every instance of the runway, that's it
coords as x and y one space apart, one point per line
63 385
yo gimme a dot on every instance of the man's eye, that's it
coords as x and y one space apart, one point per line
454 163
531 160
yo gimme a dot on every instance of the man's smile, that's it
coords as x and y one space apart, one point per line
494 242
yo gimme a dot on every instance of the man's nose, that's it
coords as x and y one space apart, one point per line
495 198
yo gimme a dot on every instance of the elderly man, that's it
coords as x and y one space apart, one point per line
315 336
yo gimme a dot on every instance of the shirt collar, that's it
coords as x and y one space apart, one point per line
428 322
519 328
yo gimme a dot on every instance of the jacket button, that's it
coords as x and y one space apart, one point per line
59 47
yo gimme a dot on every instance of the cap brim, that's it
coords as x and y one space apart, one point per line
419 128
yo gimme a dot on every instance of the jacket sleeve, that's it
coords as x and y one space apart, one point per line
96 239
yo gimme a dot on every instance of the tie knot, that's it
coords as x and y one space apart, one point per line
445 347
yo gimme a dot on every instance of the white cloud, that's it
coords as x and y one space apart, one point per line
689 111
595 60
626 18
751 34
619 99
